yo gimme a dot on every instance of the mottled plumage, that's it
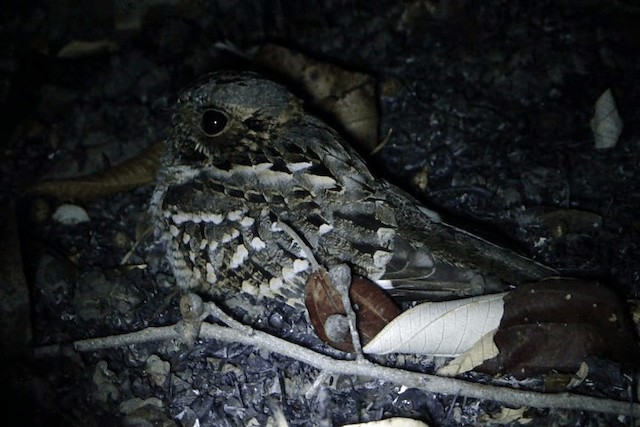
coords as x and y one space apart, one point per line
244 158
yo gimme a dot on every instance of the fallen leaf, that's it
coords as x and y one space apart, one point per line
374 309
579 377
564 300
554 324
80 48
440 328
391 422
559 222
347 96
606 123
483 349
132 173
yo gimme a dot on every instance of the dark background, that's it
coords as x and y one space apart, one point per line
491 100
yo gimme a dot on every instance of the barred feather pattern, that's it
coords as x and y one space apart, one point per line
245 166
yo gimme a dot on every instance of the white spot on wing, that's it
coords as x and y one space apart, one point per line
227 237
238 256
300 265
384 284
174 230
288 273
298 166
385 235
234 215
275 283
248 287
272 177
211 274
247 221
258 244
185 238
265 290
381 258
252 169
274 227
324 229
320 182
202 217
263 166
179 218
215 218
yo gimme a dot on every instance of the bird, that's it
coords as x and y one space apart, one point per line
254 193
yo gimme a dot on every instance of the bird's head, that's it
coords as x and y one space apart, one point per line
228 116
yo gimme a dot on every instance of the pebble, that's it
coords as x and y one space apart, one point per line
68 214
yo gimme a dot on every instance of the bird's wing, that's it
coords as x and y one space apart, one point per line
384 233
433 259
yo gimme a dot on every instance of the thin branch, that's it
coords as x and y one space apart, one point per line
431 383
114 341
318 383
340 276
427 382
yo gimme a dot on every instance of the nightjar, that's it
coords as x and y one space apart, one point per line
247 174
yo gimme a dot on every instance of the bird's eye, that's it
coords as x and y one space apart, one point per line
213 122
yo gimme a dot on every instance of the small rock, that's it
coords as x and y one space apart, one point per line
105 381
70 215
157 370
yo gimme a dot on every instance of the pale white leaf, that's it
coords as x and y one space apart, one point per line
440 328
606 123
391 422
483 349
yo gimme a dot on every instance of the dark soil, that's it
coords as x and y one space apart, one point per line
491 101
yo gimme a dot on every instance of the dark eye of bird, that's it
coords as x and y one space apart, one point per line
213 122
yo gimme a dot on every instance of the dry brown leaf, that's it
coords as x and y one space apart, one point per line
564 300
374 309
555 324
349 97
135 172
81 48
560 222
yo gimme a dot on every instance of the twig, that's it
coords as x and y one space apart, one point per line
431 383
329 365
340 276
317 384
113 341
